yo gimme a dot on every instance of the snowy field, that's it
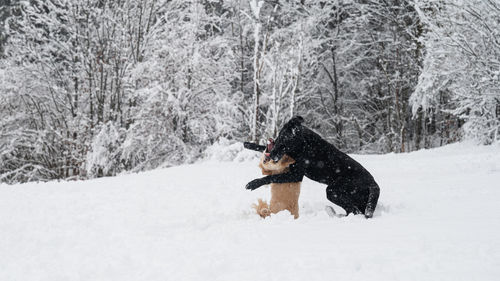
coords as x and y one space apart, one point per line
438 219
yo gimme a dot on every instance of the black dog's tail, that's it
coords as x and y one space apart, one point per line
372 201
254 146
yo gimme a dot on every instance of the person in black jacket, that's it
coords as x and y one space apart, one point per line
349 185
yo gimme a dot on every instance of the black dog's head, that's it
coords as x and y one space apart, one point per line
290 140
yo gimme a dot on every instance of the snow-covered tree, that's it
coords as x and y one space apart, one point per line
94 88
367 58
71 64
462 65
184 99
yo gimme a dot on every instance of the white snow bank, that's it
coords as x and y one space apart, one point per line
437 220
229 151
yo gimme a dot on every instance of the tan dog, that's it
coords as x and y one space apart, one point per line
284 196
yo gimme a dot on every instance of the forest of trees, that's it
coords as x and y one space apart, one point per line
95 87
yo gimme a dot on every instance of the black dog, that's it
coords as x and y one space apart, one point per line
350 186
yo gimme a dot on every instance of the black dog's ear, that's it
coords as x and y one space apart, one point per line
296 120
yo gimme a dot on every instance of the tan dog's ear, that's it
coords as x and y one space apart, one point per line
287 160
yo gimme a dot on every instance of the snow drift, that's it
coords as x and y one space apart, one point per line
437 219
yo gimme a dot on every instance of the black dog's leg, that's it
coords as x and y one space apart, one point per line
296 174
373 195
254 146
339 197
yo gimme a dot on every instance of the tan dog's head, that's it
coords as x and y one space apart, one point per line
270 167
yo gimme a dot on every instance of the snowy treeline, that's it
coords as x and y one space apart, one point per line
96 87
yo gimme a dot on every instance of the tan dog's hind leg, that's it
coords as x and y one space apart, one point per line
262 208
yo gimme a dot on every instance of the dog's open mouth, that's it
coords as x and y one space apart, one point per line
269 147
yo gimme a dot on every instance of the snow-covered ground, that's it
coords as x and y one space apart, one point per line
438 219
